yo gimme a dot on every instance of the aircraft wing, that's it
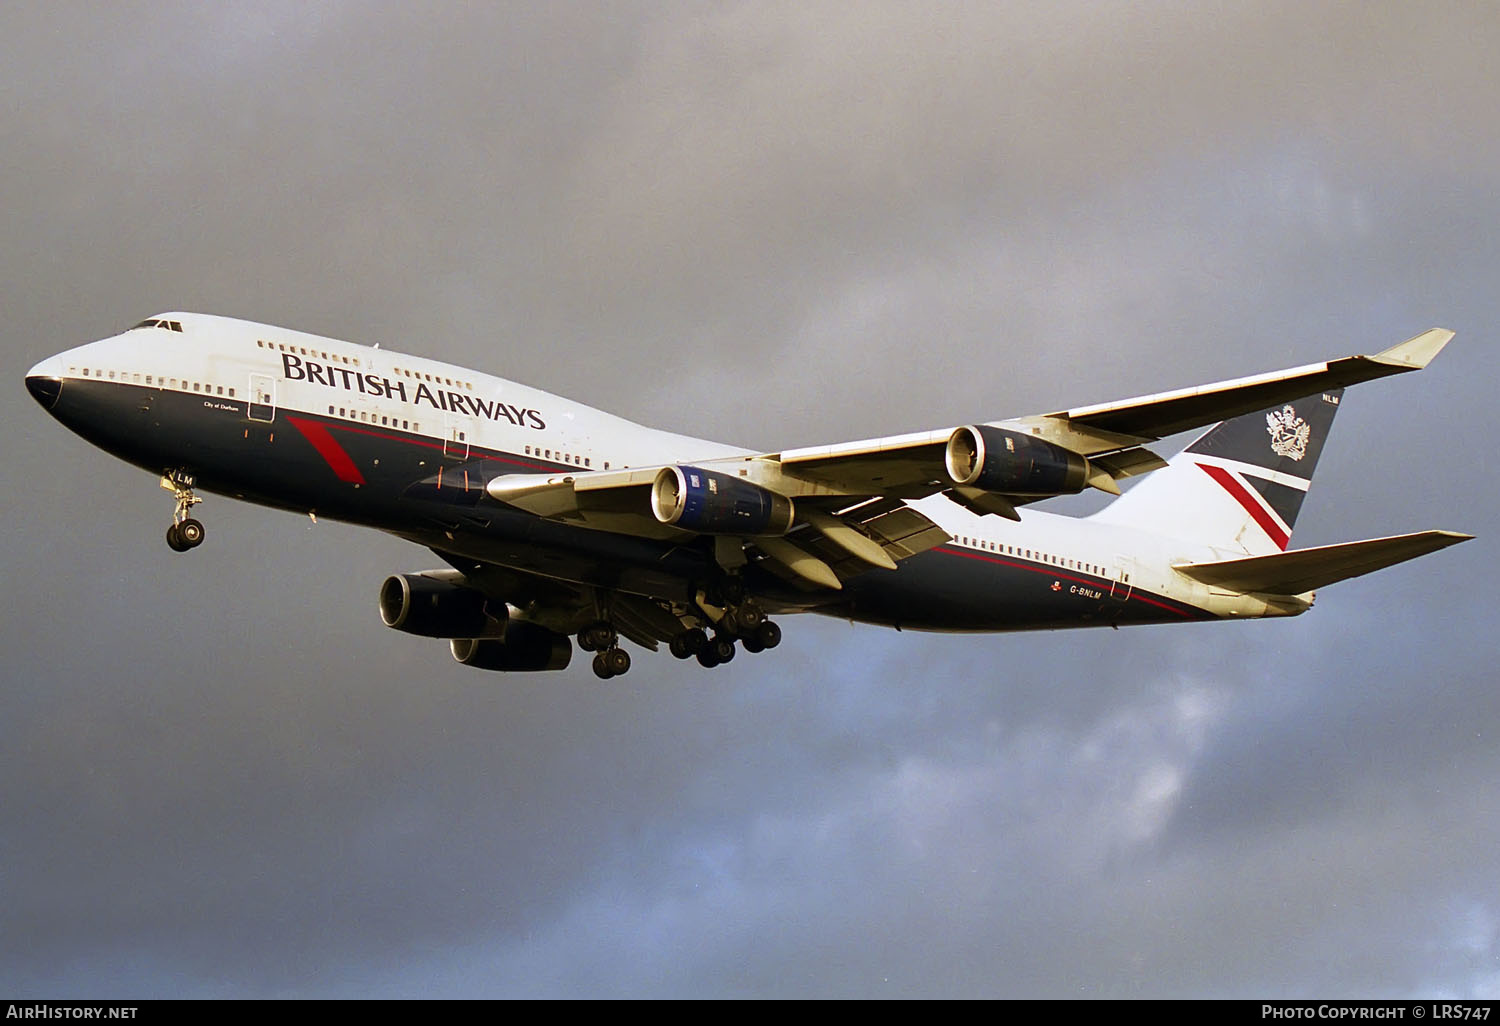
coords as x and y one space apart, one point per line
563 606
1110 434
848 515
831 536
1166 413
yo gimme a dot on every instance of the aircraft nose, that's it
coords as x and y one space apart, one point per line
44 383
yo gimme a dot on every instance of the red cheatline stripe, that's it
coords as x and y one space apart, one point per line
330 450
1093 582
474 451
1252 506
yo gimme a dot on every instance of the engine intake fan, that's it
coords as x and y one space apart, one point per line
994 459
711 502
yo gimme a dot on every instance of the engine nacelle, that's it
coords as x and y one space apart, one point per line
714 503
526 647
1011 463
436 608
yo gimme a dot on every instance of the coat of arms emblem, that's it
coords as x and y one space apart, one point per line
1289 433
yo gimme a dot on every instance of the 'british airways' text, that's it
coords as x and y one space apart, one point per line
295 368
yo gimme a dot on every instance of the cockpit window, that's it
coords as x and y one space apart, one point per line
155 323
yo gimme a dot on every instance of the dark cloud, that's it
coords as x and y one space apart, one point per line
220 775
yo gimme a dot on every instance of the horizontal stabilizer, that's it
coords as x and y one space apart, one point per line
1303 570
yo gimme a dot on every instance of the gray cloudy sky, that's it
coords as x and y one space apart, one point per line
771 225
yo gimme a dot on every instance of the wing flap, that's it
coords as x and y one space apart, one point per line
642 620
1128 462
1303 570
889 526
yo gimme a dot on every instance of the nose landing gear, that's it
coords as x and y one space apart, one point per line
185 532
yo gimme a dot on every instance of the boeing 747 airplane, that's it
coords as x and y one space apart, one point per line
556 521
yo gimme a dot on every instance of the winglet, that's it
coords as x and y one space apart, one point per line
1418 352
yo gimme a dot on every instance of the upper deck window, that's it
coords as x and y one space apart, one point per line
156 323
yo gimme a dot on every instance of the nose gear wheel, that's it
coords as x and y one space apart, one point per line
185 532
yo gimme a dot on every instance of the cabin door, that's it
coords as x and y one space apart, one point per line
262 398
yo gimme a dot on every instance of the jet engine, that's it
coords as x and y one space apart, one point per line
436 608
1011 463
710 502
526 646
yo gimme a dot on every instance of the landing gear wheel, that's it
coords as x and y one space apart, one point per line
618 661
597 637
601 666
190 533
706 657
752 644
689 643
722 646
768 635
747 618
185 532
741 618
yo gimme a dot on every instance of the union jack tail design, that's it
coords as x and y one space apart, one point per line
1240 485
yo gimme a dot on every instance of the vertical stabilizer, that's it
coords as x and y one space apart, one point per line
1240 485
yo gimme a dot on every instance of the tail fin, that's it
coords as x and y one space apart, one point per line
1240 485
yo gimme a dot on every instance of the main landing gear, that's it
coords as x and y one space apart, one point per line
718 648
738 619
735 619
185 532
753 633
610 660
